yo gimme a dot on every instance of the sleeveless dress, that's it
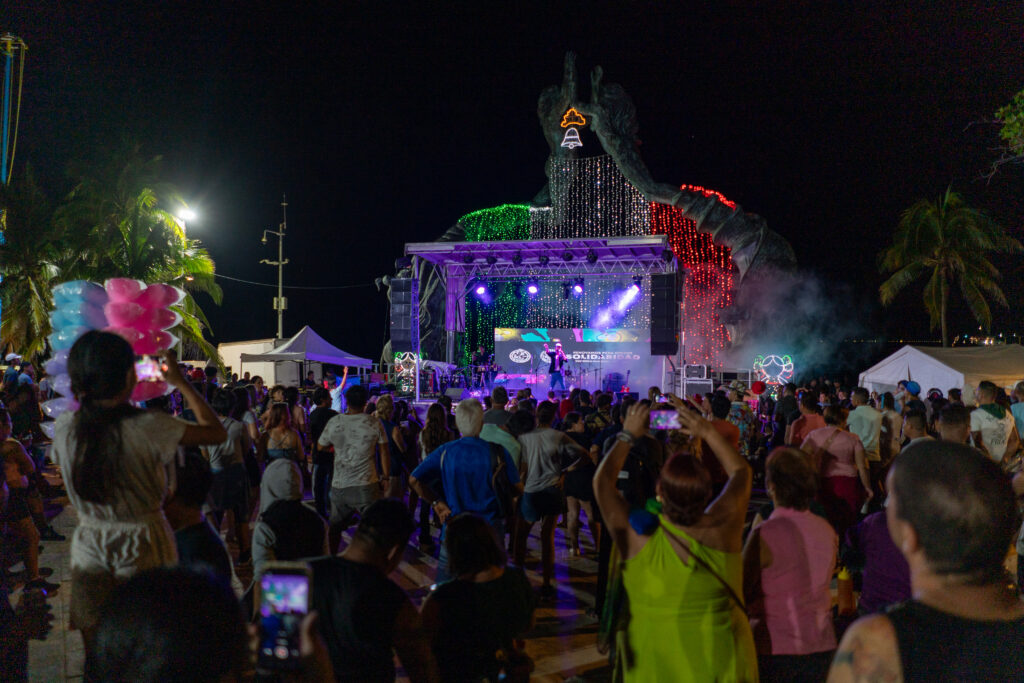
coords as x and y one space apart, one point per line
683 624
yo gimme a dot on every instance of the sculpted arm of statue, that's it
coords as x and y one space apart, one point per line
612 117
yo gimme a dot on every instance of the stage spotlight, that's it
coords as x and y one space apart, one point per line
543 260
482 291
591 257
467 259
532 287
577 286
625 299
638 281
491 260
517 260
567 256
566 290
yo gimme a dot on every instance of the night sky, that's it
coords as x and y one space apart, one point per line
385 122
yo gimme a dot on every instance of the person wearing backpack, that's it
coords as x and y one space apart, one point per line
475 476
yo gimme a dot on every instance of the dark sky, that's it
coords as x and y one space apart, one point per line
384 122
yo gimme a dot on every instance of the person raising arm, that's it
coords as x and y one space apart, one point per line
690 552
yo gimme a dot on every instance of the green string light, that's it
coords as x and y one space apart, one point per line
497 224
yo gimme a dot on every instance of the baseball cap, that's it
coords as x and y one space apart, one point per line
12 356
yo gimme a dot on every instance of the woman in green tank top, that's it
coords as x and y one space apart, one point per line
683 569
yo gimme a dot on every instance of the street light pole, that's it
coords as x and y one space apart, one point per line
184 215
280 303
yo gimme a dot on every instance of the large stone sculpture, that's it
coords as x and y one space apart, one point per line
757 252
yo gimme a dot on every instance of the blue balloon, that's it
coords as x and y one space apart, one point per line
80 313
63 338
79 290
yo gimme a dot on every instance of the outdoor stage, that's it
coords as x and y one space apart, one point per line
594 295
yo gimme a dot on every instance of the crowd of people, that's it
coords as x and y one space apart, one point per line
916 498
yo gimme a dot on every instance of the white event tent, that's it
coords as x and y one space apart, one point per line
307 347
947 368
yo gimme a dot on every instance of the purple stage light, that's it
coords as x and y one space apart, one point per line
480 290
532 288
578 289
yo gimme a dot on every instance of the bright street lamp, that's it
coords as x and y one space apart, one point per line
187 214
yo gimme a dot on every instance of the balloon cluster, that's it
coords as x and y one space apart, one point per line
141 315
127 307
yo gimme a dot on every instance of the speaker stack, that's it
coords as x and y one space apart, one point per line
405 314
665 325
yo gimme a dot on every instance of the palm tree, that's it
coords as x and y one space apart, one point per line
29 263
119 211
949 241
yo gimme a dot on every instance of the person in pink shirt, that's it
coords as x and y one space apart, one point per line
839 458
787 568
809 420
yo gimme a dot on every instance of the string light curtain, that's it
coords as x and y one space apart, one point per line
498 224
590 198
708 285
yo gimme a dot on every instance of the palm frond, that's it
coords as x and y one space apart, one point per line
899 280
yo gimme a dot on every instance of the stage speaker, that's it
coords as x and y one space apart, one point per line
405 314
457 393
695 371
664 314
635 395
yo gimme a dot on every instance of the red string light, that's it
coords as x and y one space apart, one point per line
709 284
709 193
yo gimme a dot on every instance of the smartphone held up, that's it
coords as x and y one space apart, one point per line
284 595
665 419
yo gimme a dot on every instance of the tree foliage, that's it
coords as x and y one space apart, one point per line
1010 119
117 221
948 242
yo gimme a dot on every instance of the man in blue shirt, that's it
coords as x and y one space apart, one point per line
464 469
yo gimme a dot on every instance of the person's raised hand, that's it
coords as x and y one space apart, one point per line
693 424
169 366
637 420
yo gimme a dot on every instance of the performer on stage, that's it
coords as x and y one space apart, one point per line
558 361
480 367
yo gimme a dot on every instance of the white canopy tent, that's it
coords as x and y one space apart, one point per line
308 346
947 368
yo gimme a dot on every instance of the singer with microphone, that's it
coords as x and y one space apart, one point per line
558 361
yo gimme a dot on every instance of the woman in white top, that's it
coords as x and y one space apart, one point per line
115 460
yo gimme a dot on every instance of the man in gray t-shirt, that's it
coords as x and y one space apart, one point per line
543 451
356 483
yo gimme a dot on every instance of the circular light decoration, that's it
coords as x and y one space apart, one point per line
773 370
405 369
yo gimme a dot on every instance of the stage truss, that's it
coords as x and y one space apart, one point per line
460 264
